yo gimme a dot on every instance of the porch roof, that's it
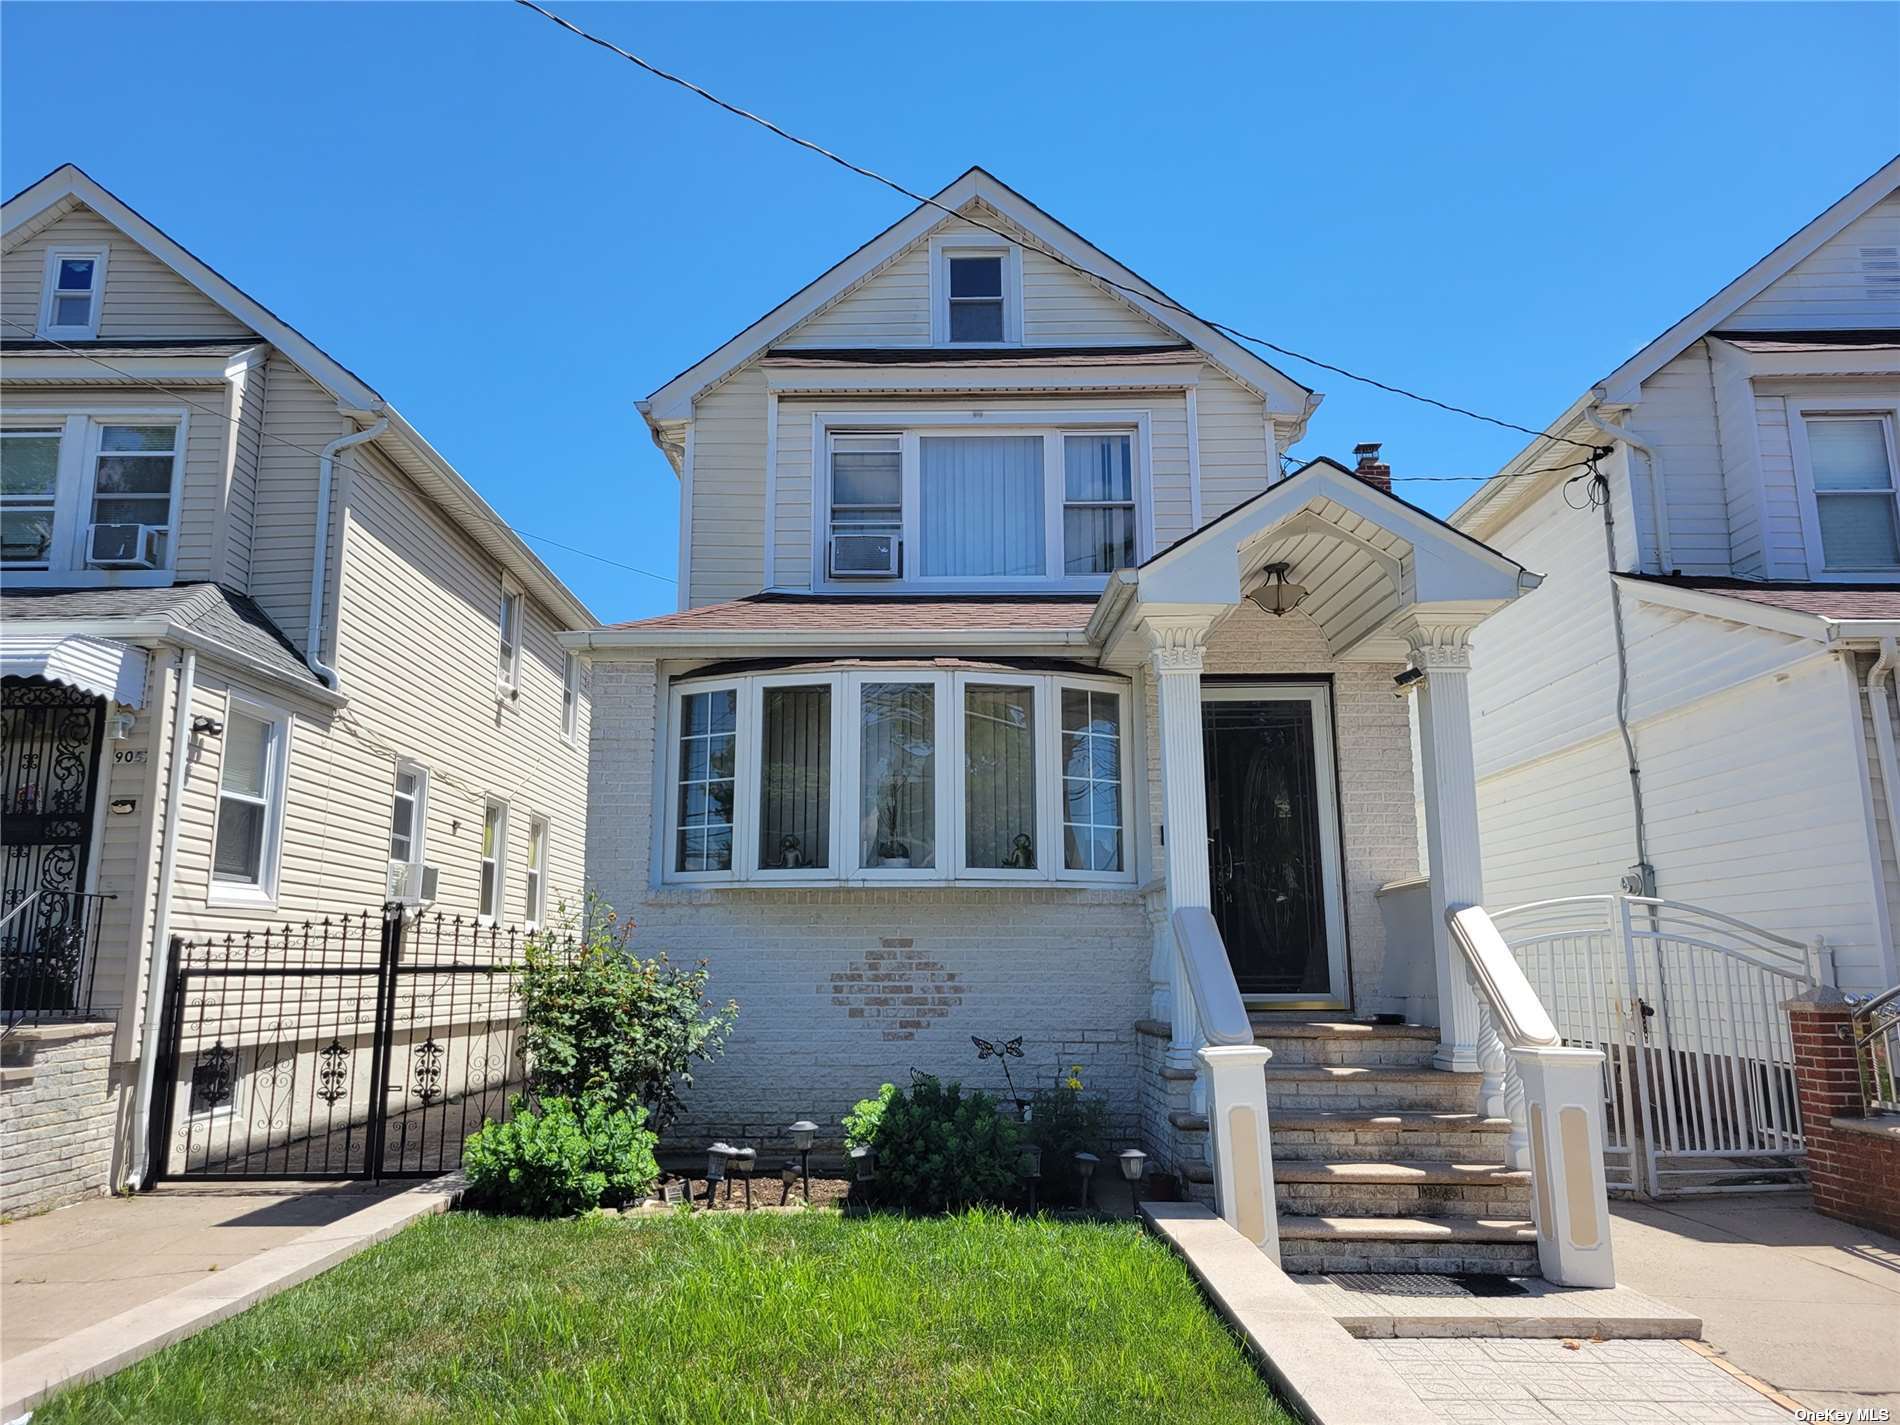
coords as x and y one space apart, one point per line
100 666
1365 558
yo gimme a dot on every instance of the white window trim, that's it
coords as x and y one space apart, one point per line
1850 407
539 831
78 472
419 826
944 246
54 256
501 864
508 680
847 781
263 894
1051 423
570 697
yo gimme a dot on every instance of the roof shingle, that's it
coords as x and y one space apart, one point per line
846 614
1829 601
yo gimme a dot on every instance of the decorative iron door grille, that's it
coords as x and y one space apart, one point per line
49 770
361 1046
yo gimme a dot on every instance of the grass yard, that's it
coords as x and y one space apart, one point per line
714 1318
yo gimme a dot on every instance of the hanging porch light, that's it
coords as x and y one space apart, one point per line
1275 595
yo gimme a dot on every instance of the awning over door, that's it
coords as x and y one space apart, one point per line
92 665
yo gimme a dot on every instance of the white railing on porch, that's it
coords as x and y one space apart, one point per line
1685 1004
1210 1021
1550 1092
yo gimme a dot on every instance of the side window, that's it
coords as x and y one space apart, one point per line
494 859
534 889
408 814
570 696
250 802
508 672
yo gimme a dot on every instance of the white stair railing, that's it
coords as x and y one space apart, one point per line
1210 1016
1553 1096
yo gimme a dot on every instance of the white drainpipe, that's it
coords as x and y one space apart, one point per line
156 987
1877 709
1658 505
326 471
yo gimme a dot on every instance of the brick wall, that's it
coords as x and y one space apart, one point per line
843 989
1853 1161
58 1116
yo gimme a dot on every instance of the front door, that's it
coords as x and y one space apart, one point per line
1273 841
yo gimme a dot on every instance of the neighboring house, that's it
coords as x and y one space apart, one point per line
974 700
222 547
1754 566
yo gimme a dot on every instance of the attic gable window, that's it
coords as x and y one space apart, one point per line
976 298
75 280
976 291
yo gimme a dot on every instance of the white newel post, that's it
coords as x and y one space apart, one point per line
1177 656
1563 1095
1243 1152
1441 651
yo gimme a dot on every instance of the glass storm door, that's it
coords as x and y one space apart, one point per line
1273 840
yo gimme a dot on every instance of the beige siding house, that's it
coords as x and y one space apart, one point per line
1016 693
267 656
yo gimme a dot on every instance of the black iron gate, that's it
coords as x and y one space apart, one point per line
361 1046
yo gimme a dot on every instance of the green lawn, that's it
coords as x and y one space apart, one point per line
714 1318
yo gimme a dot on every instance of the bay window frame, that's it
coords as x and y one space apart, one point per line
952 866
1052 424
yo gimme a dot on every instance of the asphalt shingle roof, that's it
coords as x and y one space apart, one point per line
1832 601
846 614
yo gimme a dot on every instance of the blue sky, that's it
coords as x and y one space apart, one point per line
515 236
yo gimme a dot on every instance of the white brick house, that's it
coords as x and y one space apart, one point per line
974 719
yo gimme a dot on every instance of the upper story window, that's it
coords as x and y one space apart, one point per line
508 671
86 492
976 291
982 506
408 813
74 283
570 696
899 774
1851 464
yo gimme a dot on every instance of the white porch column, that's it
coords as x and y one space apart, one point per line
1441 651
1176 653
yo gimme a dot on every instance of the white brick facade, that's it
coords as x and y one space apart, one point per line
841 989
59 1111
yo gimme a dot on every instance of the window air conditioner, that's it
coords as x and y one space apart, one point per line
124 546
411 883
864 556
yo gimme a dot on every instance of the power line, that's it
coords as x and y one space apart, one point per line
1150 295
173 392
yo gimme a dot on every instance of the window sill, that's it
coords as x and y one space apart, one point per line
231 897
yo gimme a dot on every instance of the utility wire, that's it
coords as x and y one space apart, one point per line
173 392
1146 295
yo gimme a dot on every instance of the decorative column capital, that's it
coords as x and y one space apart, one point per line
1439 644
1176 645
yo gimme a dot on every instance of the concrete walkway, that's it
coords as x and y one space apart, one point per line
1809 1305
63 1271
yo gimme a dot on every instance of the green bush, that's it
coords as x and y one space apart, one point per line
562 1157
1063 1121
598 1021
861 1124
939 1148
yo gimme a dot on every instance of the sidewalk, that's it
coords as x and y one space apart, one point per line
1807 1304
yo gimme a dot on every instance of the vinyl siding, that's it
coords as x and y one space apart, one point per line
1233 443
728 474
302 417
1677 417
249 393
143 297
1831 287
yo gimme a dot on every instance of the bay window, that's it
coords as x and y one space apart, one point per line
978 503
897 774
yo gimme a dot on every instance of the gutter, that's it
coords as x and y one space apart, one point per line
326 471
629 641
157 985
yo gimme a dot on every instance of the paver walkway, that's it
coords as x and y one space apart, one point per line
63 1271
1803 1302
1538 1382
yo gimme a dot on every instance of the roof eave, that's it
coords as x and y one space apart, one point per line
677 642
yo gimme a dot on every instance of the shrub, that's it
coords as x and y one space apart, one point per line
861 1124
939 1148
1063 1121
598 1021
562 1157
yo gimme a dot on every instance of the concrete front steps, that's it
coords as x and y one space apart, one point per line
1383 1163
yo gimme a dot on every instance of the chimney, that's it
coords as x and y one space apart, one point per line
1370 468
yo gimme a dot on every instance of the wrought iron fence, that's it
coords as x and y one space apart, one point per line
49 956
1877 1050
361 1046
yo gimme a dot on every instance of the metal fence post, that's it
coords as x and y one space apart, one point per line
383 1042
159 1130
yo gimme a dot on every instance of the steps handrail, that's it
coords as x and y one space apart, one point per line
1210 977
1521 1019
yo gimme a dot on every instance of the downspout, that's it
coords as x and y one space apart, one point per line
1877 708
326 472
157 986
1641 877
1658 506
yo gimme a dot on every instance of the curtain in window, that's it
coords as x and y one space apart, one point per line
982 505
897 811
795 779
999 739
1098 492
1091 780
